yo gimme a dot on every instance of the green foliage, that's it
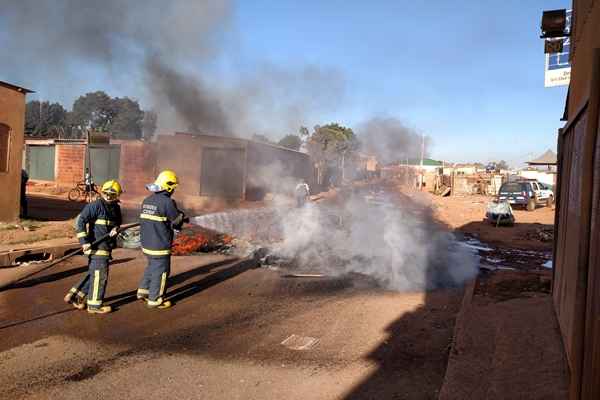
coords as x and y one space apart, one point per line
122 117
332 141
293 142
127 122
92 111
44 119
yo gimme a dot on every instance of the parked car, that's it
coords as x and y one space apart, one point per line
547 192
529 194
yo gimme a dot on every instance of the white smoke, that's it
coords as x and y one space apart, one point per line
401 247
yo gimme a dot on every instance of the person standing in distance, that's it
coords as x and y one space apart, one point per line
159 218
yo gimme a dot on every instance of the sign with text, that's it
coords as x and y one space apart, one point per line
558 66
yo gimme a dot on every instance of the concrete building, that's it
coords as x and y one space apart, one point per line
576 283
64 161
465 169
12 124
218 168
211 168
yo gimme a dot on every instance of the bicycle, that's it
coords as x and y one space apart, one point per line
83 192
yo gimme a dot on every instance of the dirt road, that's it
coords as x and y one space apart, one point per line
223 338
466 214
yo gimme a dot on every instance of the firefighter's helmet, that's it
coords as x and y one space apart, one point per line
167 181
111 190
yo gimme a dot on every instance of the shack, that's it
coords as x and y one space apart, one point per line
12 124
576 283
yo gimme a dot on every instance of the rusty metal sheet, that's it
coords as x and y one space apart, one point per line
22 256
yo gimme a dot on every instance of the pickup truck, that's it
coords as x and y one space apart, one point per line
526 193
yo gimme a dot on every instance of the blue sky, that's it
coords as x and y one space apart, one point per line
467 73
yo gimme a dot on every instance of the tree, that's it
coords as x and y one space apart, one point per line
93 110
331 141
127 121
331 146
44 119
293 142
122 117
149 124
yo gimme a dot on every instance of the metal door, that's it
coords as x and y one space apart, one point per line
40 162
105 162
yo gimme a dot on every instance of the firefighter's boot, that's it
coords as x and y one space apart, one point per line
99 310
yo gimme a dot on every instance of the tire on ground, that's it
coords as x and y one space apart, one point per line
74 194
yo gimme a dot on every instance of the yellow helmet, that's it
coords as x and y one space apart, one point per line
111 189
167 180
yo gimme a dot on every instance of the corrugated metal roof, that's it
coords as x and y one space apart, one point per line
548 158
15 87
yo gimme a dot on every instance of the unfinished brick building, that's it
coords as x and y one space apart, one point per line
12 123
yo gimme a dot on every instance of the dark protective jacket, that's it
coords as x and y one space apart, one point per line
97 219
159 218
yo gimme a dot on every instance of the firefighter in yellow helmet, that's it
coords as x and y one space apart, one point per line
159 218
98 218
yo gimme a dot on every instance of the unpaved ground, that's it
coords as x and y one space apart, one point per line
222 339
466 214
508 344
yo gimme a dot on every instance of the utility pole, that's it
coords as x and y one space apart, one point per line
422 174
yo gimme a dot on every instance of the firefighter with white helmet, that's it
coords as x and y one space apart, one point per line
97 219
159 218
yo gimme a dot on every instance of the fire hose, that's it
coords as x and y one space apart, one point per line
5 281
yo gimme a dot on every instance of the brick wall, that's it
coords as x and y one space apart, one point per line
138 166
70 164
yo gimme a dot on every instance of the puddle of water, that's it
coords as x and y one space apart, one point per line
475 244
507 259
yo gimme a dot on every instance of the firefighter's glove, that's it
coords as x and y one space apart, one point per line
178 221
114 232
86 247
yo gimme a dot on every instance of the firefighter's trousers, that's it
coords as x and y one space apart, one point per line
154 281
93 284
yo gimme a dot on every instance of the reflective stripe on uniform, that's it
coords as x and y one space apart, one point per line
156 252
143 291
163 283
77 292
97 253
104 222
81 235
153 217
94 301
